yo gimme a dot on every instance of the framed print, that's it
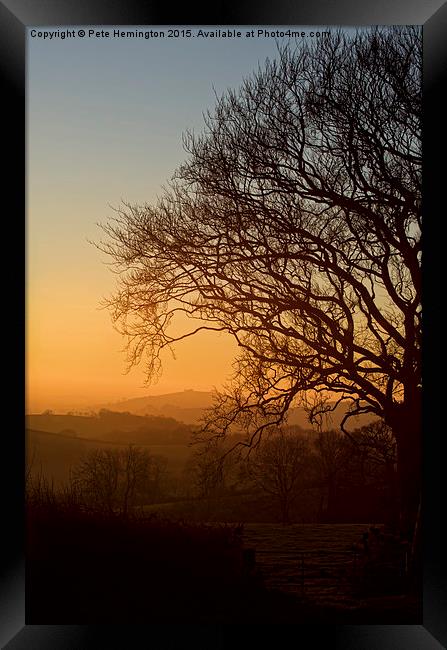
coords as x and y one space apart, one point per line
232 406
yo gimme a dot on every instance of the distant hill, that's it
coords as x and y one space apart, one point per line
54 454
186 399
58 442
188 406
299 416
172 421
114 427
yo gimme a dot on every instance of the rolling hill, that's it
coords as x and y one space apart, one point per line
55 454
188 406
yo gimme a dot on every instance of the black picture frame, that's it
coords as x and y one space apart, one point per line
15 17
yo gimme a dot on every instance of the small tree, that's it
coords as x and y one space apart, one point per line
377 444
378 440
115 479
212 470
331 462
278 467
363 462
96 477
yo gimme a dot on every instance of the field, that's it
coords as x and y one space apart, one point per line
315 565
312 560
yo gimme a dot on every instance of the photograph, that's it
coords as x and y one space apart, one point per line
224 324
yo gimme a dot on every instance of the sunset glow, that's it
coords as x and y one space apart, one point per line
104 125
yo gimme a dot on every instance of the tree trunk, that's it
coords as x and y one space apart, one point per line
406 424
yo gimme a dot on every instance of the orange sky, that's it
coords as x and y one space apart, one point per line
104 124
75 358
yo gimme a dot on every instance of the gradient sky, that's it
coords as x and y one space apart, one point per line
105 119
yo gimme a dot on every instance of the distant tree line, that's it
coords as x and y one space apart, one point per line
339 477
345 475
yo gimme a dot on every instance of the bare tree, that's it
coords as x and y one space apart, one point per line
114 479
96 477
378 440
212 470
331 461
377 443
278 467
294 225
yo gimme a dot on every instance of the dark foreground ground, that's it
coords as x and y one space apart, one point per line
86 568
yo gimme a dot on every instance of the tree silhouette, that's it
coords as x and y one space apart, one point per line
279 467
294 225
332 461
112 480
